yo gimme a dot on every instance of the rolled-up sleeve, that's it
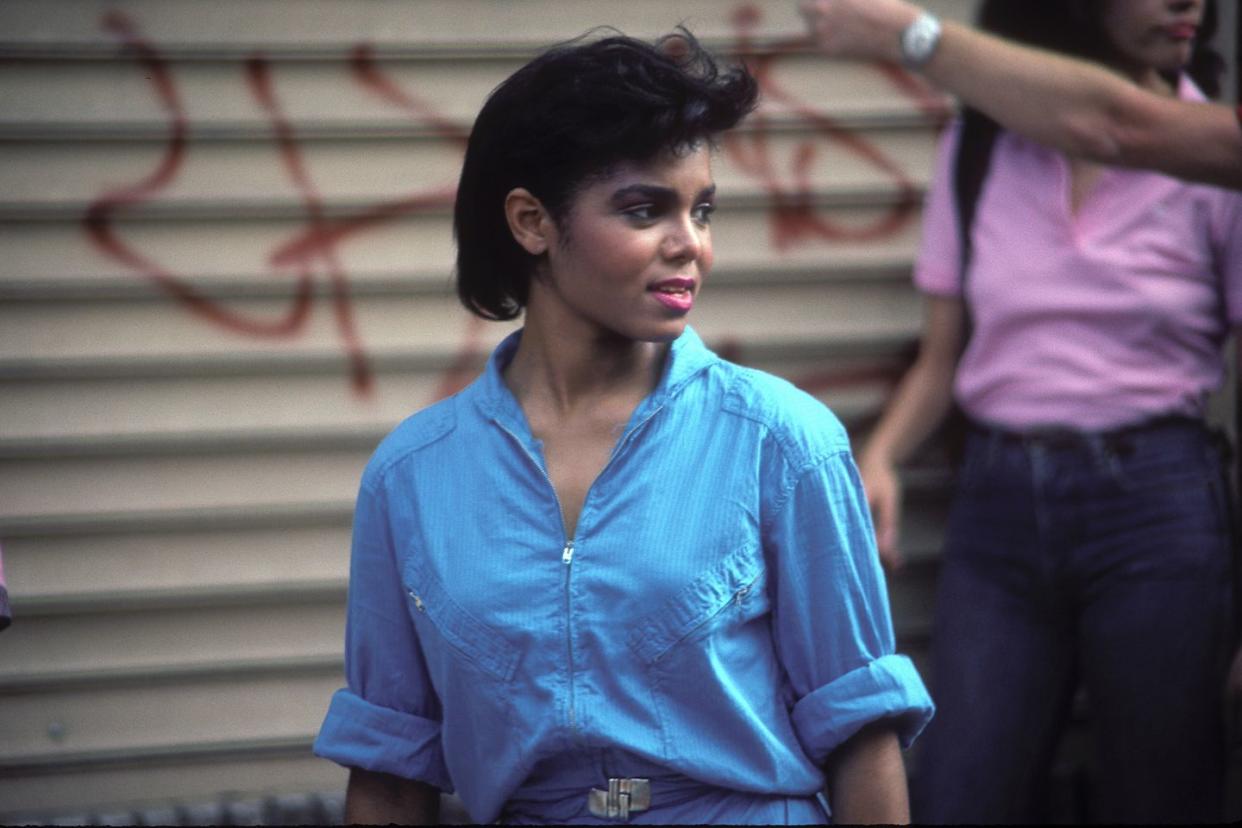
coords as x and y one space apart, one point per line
832 623
387 718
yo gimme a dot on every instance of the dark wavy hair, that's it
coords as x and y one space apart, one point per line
1071 27
566 118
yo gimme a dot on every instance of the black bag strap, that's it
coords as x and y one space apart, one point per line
972 159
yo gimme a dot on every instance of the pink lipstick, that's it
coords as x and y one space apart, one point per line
1181 31
674 294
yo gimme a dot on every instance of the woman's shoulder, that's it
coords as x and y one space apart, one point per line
423 428
804 426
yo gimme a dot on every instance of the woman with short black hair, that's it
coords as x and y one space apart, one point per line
616 578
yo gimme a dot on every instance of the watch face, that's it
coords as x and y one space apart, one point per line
919 40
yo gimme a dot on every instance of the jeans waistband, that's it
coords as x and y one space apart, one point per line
1065 438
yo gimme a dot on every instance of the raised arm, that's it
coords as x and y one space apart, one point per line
1071 105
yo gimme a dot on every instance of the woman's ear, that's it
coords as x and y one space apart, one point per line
529 222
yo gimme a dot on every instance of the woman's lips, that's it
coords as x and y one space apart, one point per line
1181 31
674 294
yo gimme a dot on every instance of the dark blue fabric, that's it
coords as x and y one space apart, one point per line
1104 559
555 792
720 611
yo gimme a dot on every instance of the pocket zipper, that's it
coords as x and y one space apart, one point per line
738 596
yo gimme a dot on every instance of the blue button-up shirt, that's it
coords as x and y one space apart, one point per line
719 612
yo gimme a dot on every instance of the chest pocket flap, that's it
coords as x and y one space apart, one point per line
736 583
475 641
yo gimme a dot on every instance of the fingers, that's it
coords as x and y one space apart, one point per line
858 29
886 515
883 489
892 560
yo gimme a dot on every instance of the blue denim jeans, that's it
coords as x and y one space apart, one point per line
1095 558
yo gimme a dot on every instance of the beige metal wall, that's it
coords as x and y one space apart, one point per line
224 265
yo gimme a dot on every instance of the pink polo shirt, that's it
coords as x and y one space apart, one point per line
1089 320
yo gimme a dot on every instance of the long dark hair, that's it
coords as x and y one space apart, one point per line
1071 27
570 114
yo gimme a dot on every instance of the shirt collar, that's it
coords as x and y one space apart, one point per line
687 356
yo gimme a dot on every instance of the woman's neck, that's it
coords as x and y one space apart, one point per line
567 367
1149 78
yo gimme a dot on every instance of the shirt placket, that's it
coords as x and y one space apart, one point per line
567 551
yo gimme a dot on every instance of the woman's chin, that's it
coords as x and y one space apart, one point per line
667 331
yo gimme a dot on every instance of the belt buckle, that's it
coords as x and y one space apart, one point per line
624 795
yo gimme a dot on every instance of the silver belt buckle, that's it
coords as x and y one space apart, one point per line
622 797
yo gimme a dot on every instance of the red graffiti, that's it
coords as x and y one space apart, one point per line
884 370
368 74
793 212
465 365
101 214
313 250
308 245
259 75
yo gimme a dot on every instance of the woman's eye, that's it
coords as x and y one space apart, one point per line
641 212
703 213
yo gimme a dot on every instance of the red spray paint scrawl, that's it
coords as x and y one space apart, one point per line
313 251
793 214
310 250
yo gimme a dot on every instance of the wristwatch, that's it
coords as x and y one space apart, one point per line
919 40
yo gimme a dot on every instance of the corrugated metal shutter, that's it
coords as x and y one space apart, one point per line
224 265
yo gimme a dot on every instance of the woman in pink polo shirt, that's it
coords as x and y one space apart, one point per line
1078 322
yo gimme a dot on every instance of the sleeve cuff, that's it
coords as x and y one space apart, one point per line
887 688
359 734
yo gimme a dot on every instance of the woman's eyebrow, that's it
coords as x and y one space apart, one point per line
655 192
652 192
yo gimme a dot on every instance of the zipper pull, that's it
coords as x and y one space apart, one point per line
567 554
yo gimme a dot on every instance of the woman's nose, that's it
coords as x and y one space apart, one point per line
684 241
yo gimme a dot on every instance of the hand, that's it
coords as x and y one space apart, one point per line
859 29
883 488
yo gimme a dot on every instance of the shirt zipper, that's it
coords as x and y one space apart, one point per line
567 558
567 552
